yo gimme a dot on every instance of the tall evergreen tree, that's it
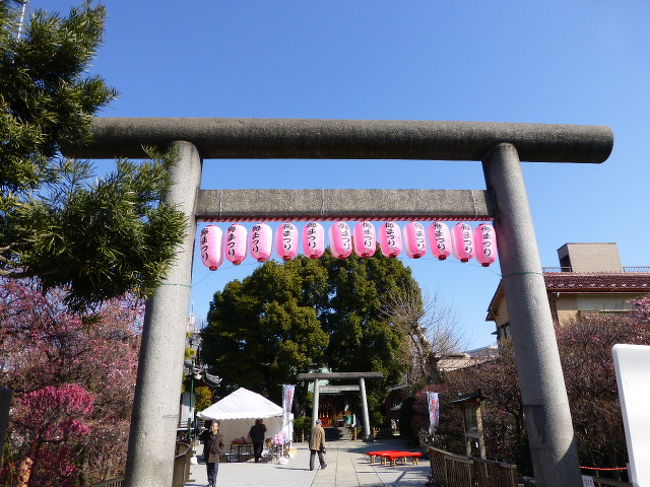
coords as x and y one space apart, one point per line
264 330
362 337
304 314
97 237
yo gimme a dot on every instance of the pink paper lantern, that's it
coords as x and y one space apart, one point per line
287 241
313 240
390 239
234 246
416 240
485 242
260 242
340 240
365 239
211 252
463 242
440 237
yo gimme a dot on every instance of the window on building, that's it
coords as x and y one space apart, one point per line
503 331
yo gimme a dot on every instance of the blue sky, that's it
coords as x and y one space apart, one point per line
584 61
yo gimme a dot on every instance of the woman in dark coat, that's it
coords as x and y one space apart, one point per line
213 441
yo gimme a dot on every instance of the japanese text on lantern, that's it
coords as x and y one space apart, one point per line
311 235
255 238
346 237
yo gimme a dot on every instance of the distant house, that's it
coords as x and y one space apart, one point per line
590 280
469 358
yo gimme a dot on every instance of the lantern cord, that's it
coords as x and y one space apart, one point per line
175 284
322 202
523 273
473 202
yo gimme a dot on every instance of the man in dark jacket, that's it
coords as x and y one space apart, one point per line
317 445
213 441
257 438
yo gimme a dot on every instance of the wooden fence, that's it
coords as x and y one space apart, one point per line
182 459
110 483
181 469
449 470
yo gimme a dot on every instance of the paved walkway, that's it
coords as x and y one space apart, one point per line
347 466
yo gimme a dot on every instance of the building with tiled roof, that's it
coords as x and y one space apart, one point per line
590 280
470 358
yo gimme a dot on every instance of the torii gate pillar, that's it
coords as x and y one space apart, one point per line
543 392
364 409
155 407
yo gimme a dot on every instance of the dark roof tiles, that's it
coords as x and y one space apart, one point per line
630 281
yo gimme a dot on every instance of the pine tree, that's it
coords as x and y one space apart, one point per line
99 238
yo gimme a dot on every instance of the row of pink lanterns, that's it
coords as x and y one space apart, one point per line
464 242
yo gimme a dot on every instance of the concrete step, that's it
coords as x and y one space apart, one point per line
337 433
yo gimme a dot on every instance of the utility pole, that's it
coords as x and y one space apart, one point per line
22 19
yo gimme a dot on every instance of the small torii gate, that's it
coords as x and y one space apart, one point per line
499 146
317 376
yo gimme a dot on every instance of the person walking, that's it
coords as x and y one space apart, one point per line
317 445
213 441
257 438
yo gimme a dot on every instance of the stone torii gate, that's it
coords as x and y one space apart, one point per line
361 376
500 147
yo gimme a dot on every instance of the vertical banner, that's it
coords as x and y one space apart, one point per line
434 410
287 402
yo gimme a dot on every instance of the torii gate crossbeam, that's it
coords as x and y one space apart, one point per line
342 204
500 146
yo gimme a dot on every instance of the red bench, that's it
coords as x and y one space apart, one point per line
394 456
377 454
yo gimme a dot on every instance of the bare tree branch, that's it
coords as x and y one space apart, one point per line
431 326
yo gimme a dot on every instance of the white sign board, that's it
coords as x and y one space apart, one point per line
632 364
587 481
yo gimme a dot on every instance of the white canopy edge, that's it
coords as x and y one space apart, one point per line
241 404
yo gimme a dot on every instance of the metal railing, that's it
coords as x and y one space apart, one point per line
626 269
449 470
181 473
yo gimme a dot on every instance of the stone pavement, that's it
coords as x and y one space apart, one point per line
347 466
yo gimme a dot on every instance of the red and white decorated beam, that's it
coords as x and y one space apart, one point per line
462 241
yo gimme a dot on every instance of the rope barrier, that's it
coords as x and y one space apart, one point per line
604 468
525 273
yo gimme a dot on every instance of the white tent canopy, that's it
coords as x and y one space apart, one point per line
238 411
